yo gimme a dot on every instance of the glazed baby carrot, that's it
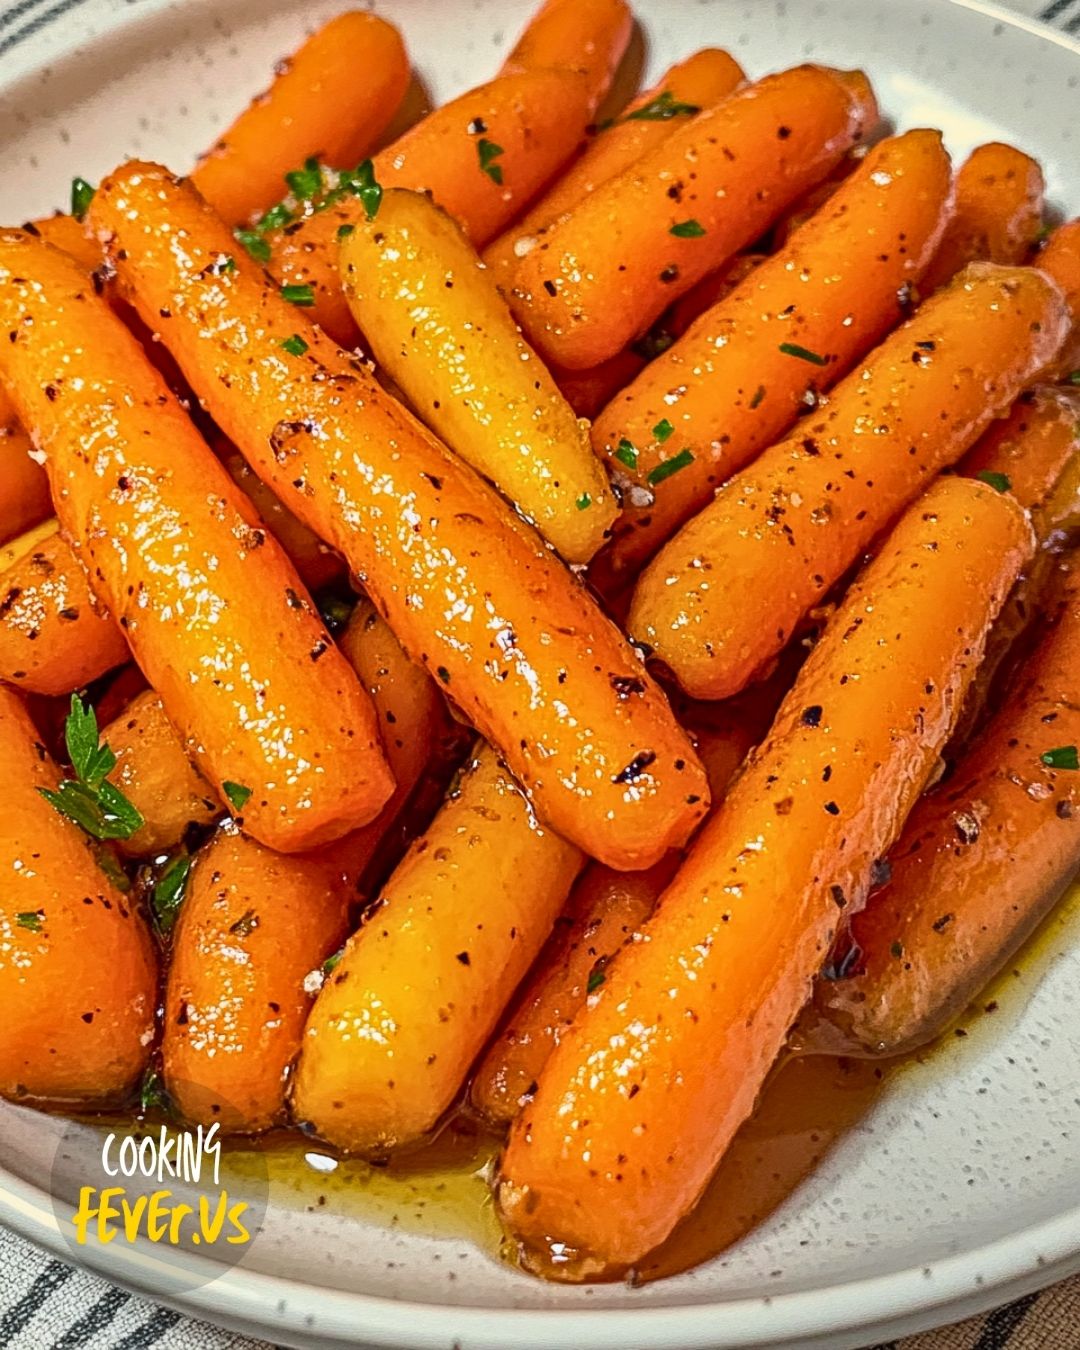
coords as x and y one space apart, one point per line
470 590
742 373
703 79
637 1104
330 100
482 157
65 232
55 635
212 609
154 773
1060 259
420 986
78 978
983 858
996 215
436 323
605 272
565 34
253 925
24 489
785 529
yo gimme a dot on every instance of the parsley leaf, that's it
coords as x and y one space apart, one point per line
487 152
98 807
82 194
295 345
152 1095
1061 757
278 216
253 244
670 466
306 183
803 353
331 962
30 919
1000 482
362 183
303 295
687 229
661 109
237 794
168 893
663 430
626 454
597 977
759 394
343 231
583 502
1074 377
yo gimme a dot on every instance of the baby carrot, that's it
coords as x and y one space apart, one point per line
637 1104
78 978
482 157
1060 259
55 636
438 326
470 590
24 489
565 34
252 928
68 234
744 371
703 79
420 986
983 858
212 609
154 773
330 100
785 529
605 272
996 215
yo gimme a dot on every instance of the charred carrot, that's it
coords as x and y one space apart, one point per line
565 35
996 215
983 858
438 326
638 1102
212 609
253 932
482 157
55 635
605 272
785 529
744 371
420 986
78 978
470 591
1060 259
24 489
703 79
330 100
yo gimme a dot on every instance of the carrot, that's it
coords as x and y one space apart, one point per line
564 34
420 986
55 636
983 858
24 489
703 79
154 773
587 391
470 591
605 272
638 1102
996 216
1060 259
532 124
78 978
212 609
330 100
786 529
68 234
819 195
744 371
438 326
252 929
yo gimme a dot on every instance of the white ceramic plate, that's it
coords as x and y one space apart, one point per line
962 1187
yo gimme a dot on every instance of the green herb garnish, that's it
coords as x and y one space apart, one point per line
663 430
1061 757
596 979
305 184
670 466
1074 377
97 806
583 502
1000 482
488 152
253 244
759 394
152 1095
803 353
331 962
237 794
295 345
626 454
687 229
82 194
276 218
168 893
303 295
362 183
661 109
343 231
335 610
31 919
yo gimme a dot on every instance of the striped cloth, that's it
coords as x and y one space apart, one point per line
48 1305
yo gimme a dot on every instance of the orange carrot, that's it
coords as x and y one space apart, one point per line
785 529
66 233
330 100
605 272
996 215
637 1104
703 79
742 373
213 611
253 928
532 124
565 34
811 202
419 988
24 489
983 858
1060 259
78 978
55 636
469 589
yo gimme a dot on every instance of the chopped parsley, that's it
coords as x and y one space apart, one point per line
626 454
331 962
1074 377
82 194
759 394
307 183
30 919
95 805
1061 757
237 794
168 893
687 229
803 353
596 979
343 231
663 430
276 218
152 1095
253 244
662 108
295 345
583 502
488 152
303 295
670 466
362 183
1000 482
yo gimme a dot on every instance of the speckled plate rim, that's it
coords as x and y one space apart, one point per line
840 1316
